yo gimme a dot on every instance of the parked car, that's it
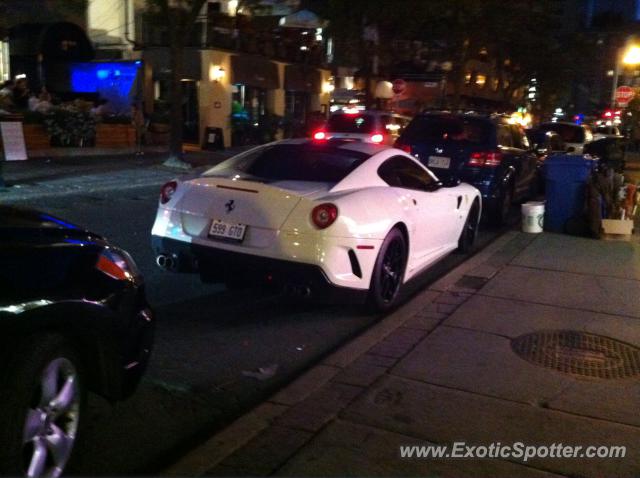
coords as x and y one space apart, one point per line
545 144
484 151
370 126
73 317
575 136
606 131
609 151
339 222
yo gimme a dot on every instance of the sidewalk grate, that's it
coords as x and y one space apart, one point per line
579 353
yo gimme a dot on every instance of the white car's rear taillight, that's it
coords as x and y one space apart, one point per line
167 191
324 215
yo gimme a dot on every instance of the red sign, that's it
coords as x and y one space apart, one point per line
623 95
398 86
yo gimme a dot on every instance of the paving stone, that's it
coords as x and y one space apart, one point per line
479 362
585 256
264 454
444 415
452 298
513 318
360 375
354 349
597 293
446 308
321 407
484 271
607 399
423 323
385 349
431 312
369 359
398 343
305 385
511 250
226 441
349 449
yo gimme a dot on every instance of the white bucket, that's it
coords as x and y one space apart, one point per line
533 217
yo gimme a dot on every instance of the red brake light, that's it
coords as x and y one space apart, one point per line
320 135
324 215
377 138
115 265
167 191
404 147
486 158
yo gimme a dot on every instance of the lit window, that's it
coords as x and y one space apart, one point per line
467 78
481 80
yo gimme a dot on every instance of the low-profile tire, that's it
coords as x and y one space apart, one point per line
500 212
42 401
388 272
469 233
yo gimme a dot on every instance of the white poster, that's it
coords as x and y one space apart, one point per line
13 140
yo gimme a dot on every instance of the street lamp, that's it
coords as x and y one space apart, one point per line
628 55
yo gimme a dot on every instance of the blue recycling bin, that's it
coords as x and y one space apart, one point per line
565 187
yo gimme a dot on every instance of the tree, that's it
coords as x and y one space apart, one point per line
177 18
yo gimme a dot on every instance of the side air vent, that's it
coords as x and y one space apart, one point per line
355 265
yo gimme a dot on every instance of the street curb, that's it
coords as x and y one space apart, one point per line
224 443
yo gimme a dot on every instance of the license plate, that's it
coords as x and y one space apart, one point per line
439 162
224 230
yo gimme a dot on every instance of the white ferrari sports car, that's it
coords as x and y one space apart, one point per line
333 220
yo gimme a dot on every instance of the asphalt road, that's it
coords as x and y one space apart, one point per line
217 353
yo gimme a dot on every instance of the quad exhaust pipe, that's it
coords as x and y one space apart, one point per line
168 262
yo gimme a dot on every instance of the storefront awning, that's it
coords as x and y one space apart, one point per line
302 78
254 71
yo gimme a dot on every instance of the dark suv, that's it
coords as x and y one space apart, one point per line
485 151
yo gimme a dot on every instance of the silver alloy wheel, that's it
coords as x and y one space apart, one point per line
51 423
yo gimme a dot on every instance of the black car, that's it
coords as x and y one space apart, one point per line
73 317
483 150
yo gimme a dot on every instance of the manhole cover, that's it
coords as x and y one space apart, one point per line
579 353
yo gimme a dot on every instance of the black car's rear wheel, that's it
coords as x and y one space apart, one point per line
500 212
388 272
41 408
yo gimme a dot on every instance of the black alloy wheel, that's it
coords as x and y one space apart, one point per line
470 230
388 272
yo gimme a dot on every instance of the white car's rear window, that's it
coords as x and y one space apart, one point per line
292 162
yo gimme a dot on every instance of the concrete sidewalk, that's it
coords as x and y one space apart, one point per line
533 340
36 178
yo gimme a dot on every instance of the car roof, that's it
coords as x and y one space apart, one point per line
361 147
564 123
371 112
489 117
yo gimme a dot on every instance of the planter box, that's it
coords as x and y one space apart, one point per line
115 135
36 137
617 229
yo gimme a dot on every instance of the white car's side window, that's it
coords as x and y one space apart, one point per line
403 172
